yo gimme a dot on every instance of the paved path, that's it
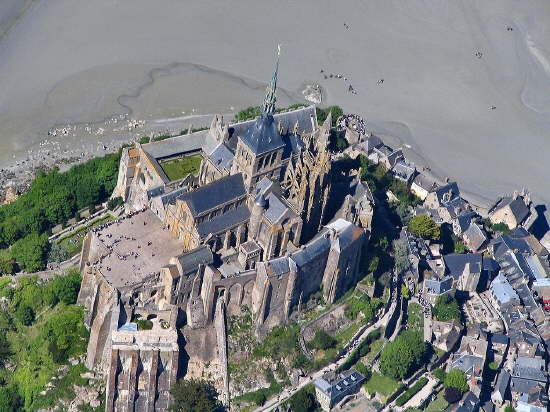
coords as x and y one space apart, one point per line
285 394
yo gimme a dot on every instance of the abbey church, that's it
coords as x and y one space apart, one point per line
252 228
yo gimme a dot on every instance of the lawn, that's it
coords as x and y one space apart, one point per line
381 384
439 404
179 168
72 242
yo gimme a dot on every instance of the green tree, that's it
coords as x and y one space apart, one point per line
402 356
194 395
7 264
65 333
459 247
446 308
423 226
10 401
304 400
65 288
400 255
456 379
31 251
25 315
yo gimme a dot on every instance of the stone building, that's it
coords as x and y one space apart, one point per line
250 230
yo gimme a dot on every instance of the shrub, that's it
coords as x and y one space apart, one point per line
323 340
114 202
25 315
413 390
144 324
304 400
194 395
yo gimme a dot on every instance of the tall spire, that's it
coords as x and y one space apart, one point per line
270 94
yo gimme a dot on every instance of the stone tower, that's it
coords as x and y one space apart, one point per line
260 148
307 180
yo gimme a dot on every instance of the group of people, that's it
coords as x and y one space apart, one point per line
351 89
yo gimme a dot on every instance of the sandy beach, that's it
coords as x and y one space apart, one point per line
466 84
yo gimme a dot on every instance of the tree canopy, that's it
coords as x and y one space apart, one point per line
194 395
446 309
423 226
53 198
456 379
404 355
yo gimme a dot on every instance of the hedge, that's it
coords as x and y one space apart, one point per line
413 390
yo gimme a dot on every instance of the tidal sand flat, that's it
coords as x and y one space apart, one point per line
466 84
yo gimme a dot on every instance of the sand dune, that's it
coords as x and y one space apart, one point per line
82 61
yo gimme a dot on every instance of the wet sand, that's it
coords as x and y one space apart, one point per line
88 63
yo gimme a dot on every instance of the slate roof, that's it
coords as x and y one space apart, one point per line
442 190
500 339
464 219
517 206
455 207
278 266
520 385
503 382
490 265
529 368
475 236
470 403
469 364
336 387
311 251
424 182
191 260
221 156
175 146
263 136
276 209
293 145
403 170
455 263
437 287
214 194
503 291
222 222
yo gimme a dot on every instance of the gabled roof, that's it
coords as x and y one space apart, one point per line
475 236
222 222
221 156
516 205
214 194
451 188
191 260
455 263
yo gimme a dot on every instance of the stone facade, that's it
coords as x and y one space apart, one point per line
250 230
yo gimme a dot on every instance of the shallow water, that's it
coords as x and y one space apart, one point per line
76 61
